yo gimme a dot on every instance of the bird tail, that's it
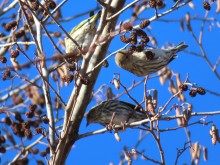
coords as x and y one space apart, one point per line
179 47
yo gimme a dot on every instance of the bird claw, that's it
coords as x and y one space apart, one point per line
110 127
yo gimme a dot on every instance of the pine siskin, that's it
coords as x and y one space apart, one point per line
124 113
147 61
83 34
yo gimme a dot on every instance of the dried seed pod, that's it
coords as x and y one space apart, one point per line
183 87
46 120
154 100
144 23
57 34
179 120
160 4
71 67
29 114
139 48
152 3
165 74
18 117
14 53
214 134
205 154
149 55
188 24
125 39
131 49
51 4
206 5
28 133
189 110
19 33
84 80
145 39
182 25
2 139
192 92
2 149
35 5
117 137
3 59
201 91
67 78
116 83
34 150
39 130
141 33
32 107
10 25
127 26
109 93
7 120
43 153
218 6
105 64
191 5
133 38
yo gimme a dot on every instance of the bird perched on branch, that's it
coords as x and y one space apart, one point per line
83 34
123 113
147 61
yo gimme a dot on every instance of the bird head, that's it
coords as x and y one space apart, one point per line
121 57
92 116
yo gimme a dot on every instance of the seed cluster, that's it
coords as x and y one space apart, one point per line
193 91
135 34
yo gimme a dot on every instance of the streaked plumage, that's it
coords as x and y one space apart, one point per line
140 65
124 112
83 34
